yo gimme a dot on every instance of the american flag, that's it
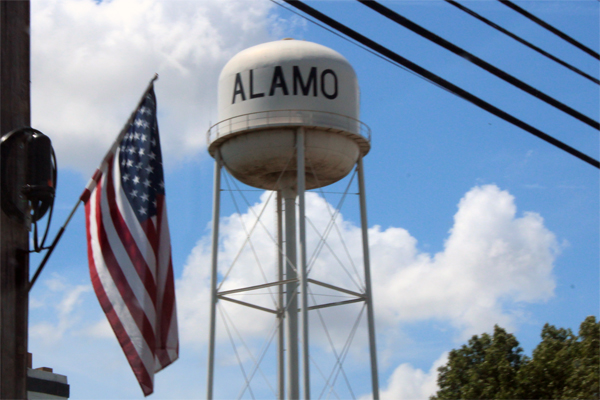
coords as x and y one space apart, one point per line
129 249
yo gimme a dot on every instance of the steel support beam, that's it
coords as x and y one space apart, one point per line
291 298
302 263
281 304
213 278
367 267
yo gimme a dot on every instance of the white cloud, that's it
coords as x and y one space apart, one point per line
193 288
68 310
492 261
91 61
99 330
409 383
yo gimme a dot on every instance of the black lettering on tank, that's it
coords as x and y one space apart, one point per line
252 94
238 88
278 81
333 95
312 79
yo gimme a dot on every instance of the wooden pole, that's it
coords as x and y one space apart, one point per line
14 236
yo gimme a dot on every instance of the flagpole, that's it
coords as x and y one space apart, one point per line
81 198
53 245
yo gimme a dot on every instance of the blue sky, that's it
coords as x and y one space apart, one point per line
473 221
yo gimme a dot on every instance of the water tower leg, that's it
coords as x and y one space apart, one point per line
213 279
291 294
302 263
281 304
368 291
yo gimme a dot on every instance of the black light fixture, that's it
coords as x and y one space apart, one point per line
28 177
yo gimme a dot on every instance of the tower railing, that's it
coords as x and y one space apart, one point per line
282 118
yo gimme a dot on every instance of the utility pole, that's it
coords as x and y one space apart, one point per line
14 235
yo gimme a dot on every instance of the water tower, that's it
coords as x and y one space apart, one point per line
289 122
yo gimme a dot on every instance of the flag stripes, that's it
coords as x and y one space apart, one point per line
129 250
119 318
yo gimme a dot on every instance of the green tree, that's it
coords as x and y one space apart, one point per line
485 368
584 381
545 375
562 366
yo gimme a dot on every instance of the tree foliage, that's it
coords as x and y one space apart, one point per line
562 366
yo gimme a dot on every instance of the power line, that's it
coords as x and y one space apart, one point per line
552 29
341 36
360 46
440 81
405 22
351 41
522 41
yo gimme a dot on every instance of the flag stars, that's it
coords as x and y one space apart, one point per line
140 162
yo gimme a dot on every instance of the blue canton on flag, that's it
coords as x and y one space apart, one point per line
141 161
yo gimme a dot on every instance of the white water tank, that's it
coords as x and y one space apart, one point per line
266 93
